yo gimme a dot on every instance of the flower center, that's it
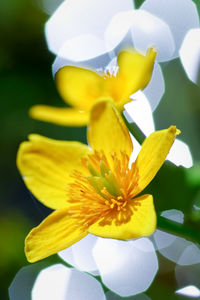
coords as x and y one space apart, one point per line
105 189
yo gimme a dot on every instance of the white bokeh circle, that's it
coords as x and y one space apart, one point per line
190 54
61 283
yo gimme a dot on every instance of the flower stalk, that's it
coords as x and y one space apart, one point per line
181 230
138 3
134 130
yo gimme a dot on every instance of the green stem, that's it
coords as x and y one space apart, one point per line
134 130
178 229
138 3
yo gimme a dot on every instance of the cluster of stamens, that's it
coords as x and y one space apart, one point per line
106 191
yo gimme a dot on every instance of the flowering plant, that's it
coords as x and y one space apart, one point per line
113 215
97 196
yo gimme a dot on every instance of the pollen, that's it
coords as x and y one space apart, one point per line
105 190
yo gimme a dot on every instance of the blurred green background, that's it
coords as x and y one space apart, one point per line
26 79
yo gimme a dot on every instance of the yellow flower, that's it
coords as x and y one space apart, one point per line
92 190
80 88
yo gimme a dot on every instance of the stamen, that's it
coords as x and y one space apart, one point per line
106 194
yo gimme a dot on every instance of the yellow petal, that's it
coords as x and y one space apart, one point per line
135 72
57 232
107 130
59 116
79 87
46 165
141 221
153 153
